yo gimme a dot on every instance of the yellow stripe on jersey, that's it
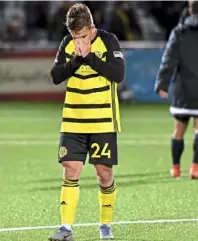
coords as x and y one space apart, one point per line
92 112
70 48
113 105
117 110
90 83
91 102
82 127
94 95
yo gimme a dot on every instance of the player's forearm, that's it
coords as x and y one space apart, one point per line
169 63
61 72
165 74
112 71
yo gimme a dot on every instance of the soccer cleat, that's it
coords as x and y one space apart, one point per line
62 235
193 173
105 232
175 171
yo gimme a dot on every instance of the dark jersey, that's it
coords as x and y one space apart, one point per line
91 101
179 61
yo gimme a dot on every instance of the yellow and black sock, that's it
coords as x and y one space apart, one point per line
107 199
69 200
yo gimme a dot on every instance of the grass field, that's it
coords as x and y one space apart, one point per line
30 178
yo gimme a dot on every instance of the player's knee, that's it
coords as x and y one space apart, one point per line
177 134
104 175
71 170
196 132
196 126
179 129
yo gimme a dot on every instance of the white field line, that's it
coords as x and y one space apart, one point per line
31 143
133 119
50 139
44 136
160 221
25 112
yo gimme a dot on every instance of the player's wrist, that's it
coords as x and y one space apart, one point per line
89 57
77 61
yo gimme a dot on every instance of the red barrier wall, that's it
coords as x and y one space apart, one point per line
25 76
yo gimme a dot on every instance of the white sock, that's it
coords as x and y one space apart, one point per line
67 226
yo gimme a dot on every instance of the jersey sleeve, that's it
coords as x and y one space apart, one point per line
169 62
113 69
62 70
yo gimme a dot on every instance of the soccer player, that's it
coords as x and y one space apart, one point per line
92 63
180 59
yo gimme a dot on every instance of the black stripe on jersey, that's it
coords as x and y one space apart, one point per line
88 91
85 76
104 55
69 56
98 120
87 106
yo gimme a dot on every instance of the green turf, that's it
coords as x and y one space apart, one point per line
30 177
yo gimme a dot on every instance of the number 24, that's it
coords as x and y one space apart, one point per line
104 152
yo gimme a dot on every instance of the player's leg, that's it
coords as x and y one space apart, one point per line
194 167
106 197
177 143
72 154
70 191
103 155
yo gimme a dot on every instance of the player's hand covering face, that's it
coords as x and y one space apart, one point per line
85 47
77 47
82 39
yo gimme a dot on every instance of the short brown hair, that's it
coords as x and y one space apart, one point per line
78 16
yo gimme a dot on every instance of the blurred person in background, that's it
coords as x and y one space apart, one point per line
124 23
180 59
37 22
167 13
14 21
57 27
43 20
92 63
97 9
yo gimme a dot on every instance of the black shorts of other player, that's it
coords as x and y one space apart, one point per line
185 118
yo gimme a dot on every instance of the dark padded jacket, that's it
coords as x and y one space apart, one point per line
180 63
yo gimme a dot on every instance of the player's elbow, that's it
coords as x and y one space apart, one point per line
119 74
55 76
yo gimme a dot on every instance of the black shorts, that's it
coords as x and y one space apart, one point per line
101 147
184 118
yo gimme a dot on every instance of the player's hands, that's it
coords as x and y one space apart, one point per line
85 47
77 47
163 94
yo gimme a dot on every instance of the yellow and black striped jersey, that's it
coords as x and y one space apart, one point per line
91 101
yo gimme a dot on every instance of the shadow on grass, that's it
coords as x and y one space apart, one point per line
130 181
164 174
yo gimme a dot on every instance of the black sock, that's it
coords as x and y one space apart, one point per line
177 147
195 147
